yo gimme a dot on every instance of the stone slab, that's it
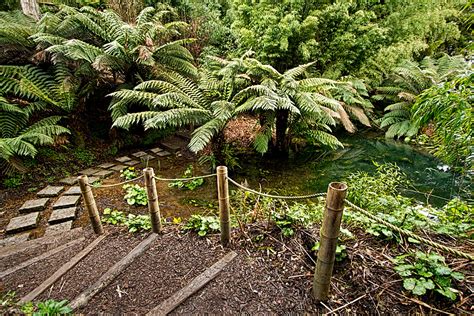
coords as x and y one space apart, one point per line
171 146
156 150
139 154
50 191
66 201
68 180
103 173
89 171
23 222
93 179
34 205
147 157
62 215
15 239
106 165
131 163
123 159
118 168
58 228
163 153
75 190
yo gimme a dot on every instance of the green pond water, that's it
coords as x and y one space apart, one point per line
311 171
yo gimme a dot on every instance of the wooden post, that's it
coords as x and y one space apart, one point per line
329 234
90 205
224 204
153 206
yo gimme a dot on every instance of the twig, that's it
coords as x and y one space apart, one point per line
344 306
330 310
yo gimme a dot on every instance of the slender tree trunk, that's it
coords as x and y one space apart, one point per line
281 145
31 8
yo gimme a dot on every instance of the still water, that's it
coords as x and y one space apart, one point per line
311 171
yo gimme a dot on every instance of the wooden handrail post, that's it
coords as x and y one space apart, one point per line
224 204
90 205
153 205
329 234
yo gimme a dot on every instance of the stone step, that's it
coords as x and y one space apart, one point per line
147 157
34 205
156 150
50 191
118 168
106 165
66 201
21 223
89 171
123 159
62 215
163 153
171 145
139 154
58 228
104 173
75 190
68 180
131 163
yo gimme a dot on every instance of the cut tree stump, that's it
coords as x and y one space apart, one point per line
112 273
196 284
45 255
61 271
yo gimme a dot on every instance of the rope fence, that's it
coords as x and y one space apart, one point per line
225 178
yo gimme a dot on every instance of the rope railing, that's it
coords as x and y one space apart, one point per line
101 186
411 234
280 197
185 179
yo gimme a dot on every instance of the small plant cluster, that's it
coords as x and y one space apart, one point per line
135 194
341 251
423 272
9 305
203 225
128 173
134 223
187 184
290 217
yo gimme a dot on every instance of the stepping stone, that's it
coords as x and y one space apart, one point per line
106 165
23 222
139 154
93 179
75 190
50 191
163 153
66 201
89 171
156 150
58 228
103 173
147 157
68 180
62 215
131 163
15 239
123 159
171 146
34 205
118 168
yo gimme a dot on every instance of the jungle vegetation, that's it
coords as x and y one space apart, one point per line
305 70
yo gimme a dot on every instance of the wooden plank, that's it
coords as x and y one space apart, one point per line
53 240
112 273
196 284
40 257
61 271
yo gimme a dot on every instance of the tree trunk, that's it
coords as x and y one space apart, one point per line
281 145
31 8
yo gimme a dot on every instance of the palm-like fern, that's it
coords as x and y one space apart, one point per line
405 83
110 46
25 92
15 41
307 106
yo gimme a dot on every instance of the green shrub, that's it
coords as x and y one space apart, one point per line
203 225
128 173
423 272
134 223
187 184
135 194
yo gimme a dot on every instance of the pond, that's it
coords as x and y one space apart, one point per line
311 170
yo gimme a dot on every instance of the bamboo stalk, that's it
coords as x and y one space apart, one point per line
223 198
329 234
89 203
153 205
